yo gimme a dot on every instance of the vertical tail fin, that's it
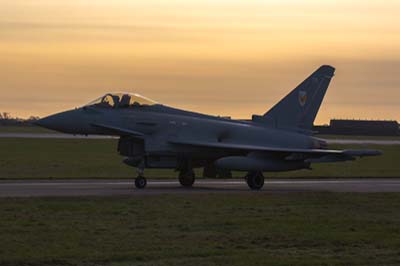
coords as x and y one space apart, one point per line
300 107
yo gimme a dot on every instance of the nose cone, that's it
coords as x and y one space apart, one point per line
67 122
50 122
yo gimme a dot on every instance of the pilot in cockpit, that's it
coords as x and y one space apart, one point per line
125 100
107 101
121 100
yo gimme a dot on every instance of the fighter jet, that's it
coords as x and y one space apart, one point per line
153 135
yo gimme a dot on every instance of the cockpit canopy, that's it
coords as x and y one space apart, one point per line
121 100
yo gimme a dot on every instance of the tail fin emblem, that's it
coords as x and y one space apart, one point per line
302 98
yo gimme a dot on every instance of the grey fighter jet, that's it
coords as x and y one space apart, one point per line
152 135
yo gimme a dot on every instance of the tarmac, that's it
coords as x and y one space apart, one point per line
111 187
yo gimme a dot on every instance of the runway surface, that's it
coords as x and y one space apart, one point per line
69 136
38 188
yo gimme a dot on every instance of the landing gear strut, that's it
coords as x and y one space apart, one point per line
140 180
255 180
186 177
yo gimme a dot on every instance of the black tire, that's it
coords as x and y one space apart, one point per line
186 178
140 182
255 180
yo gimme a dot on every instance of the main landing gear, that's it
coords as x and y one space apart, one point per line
186 177
255 180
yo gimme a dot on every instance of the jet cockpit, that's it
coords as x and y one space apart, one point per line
121 100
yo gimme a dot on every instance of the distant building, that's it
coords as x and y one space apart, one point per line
360 127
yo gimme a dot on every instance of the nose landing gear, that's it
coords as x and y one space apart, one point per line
140 180
255 180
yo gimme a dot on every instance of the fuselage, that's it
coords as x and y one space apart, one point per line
158 124
152 135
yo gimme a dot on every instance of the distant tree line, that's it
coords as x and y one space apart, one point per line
6 119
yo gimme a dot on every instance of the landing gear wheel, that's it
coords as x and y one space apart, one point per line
255 180
140 182
186 178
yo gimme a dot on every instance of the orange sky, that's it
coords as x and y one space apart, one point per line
231 58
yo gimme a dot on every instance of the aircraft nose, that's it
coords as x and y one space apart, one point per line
64 122
49 122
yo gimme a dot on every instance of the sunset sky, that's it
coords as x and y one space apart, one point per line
233 58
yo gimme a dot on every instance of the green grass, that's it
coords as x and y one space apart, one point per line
358 137
24 129
210 229
61 158
93 158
